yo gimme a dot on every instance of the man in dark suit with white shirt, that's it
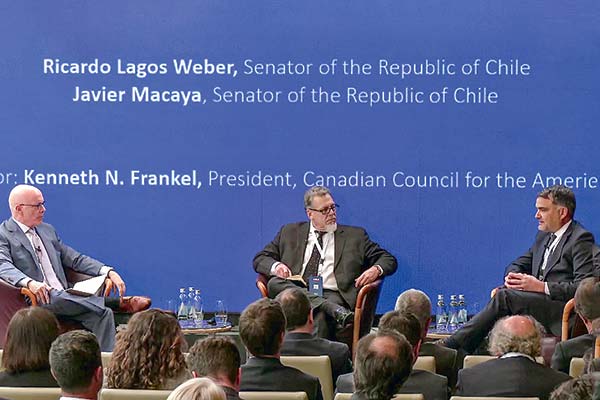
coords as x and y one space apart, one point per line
587 306
342 256
541 281
300 339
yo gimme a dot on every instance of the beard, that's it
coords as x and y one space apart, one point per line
329 228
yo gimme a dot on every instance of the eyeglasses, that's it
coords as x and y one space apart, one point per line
38 205
327 210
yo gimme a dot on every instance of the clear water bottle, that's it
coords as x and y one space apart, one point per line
182 310
441 317
462 310
191 309
453 314
198 308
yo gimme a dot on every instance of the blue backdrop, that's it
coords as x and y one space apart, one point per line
530 68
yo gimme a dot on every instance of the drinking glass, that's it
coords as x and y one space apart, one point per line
221 313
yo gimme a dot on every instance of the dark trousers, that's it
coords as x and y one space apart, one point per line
323 307
510 302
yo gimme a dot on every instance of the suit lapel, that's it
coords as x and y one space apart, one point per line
554 258
23 239
302 241
340 242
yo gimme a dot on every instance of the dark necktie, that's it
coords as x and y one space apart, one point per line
312 266
546 257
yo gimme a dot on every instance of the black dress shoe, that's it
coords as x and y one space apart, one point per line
343 317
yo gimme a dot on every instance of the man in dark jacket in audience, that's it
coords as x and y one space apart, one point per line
219 359
76 364
516 340
418 303
262 328
383 363
432 386
300 339
587 306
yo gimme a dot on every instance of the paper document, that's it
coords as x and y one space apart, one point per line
88 287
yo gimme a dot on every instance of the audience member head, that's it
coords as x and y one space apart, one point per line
320 208
587 301
217 358
580 388
148 353
415 302
405 324
27 205
517 333
30 333
76 364
262 326
555 207
197 389
383 363
296 308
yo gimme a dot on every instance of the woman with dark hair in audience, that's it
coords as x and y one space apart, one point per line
148 354
30 333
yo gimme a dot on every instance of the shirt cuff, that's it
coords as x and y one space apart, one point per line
24 282
546 289
380 269
105 270
275 264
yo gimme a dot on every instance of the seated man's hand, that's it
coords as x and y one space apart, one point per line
367 277
529 283
282 271
40 290
117 281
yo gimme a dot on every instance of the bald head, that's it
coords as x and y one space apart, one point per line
518 333
27 205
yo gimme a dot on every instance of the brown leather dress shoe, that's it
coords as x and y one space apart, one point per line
133 304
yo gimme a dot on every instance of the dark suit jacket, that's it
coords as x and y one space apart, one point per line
564 351
509 377
570 262
354 253
432 386
445 360
305 344
40 378
269 374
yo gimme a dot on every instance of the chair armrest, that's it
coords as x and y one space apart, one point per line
261 284
28 293
565 319
365 301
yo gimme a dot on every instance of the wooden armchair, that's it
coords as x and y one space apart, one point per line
364 312
14 298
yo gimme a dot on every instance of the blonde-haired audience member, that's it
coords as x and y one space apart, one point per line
197 389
